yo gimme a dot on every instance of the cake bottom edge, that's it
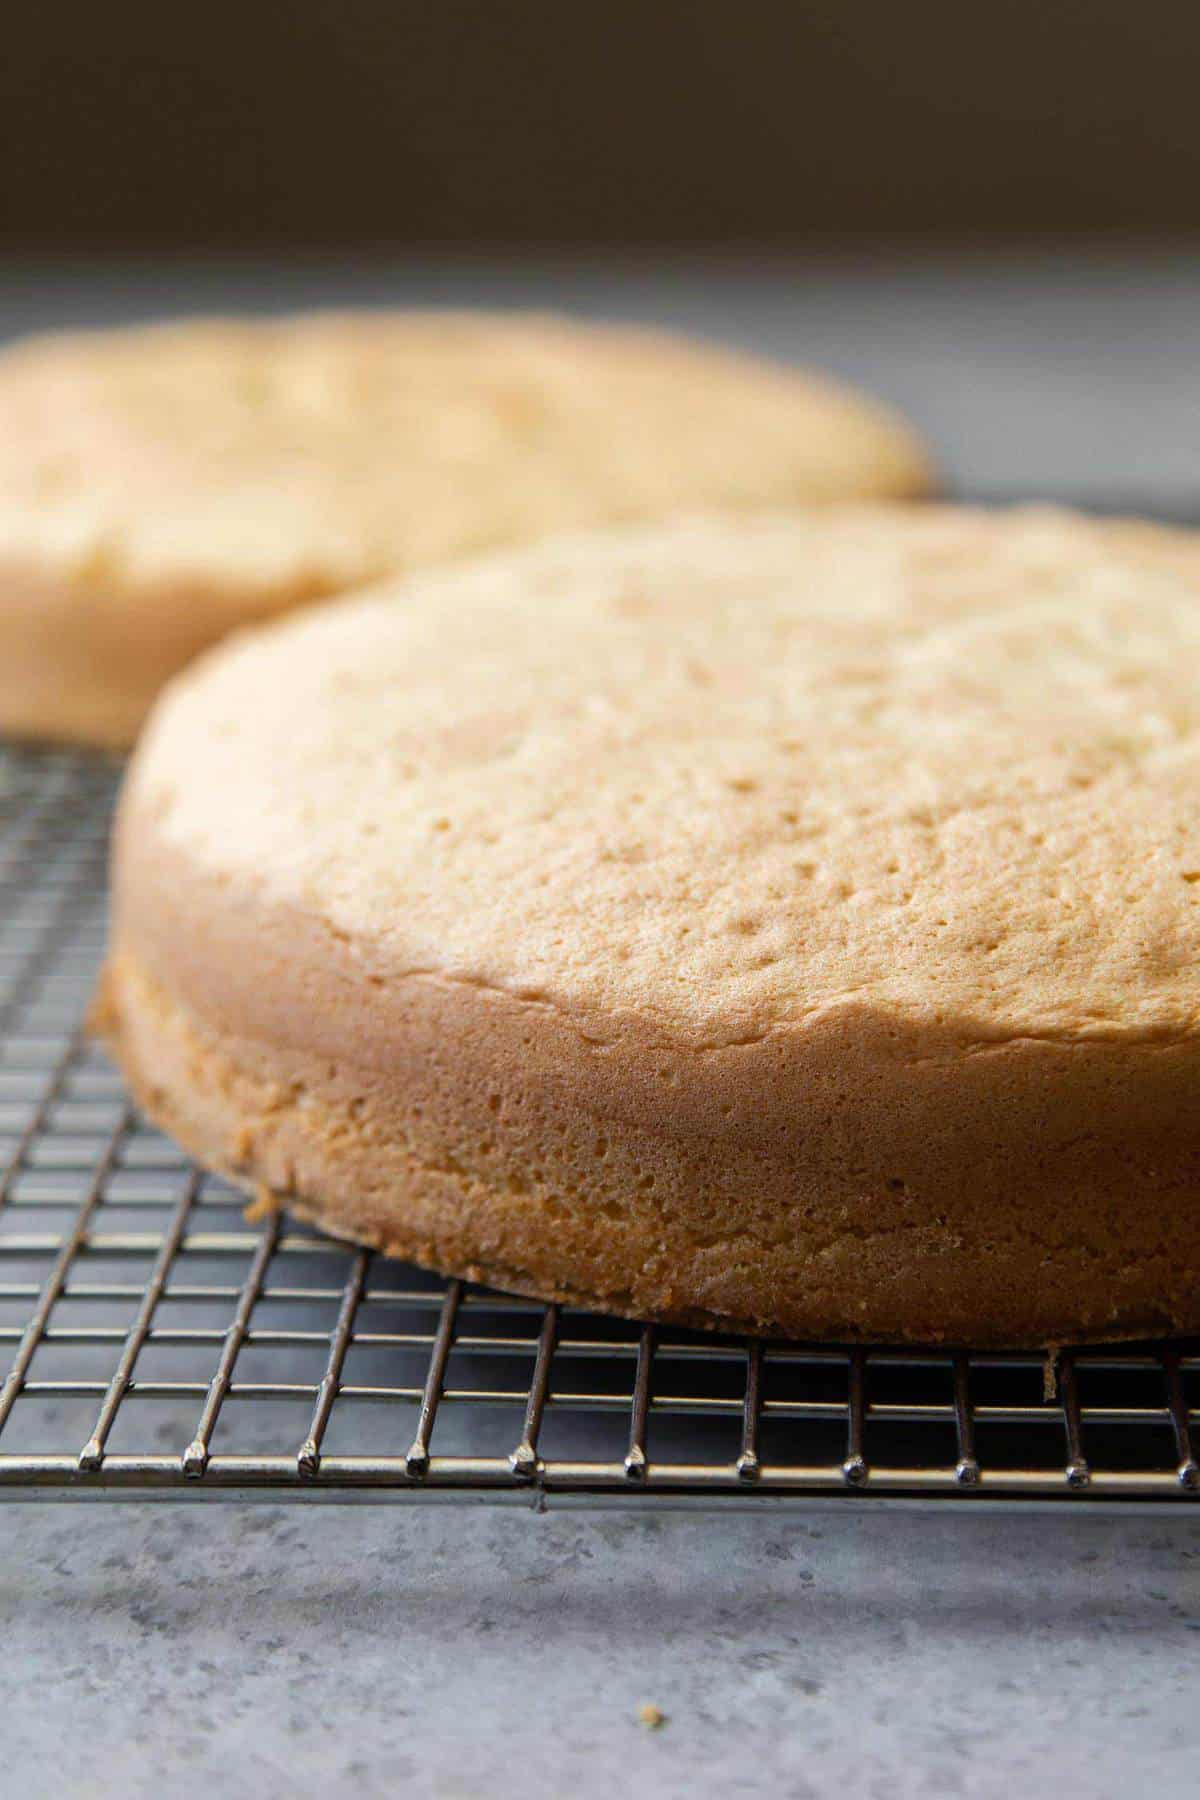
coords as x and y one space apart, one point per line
289 1147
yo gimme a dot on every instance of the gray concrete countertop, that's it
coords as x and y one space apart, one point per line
463 1651
459 1652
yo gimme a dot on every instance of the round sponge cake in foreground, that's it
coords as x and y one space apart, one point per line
790 924
160 487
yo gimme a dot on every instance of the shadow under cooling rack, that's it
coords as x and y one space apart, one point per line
158 1344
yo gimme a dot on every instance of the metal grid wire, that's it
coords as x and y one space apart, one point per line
159 1344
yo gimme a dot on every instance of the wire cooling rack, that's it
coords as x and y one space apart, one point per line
161 1345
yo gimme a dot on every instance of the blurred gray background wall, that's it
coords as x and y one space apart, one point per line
261 126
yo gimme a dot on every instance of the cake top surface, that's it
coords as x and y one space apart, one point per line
314 452
726 775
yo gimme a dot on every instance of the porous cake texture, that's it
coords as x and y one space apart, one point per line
785 923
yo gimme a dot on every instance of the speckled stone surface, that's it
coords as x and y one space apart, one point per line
461 1651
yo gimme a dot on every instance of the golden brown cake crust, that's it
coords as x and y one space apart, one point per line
790 924
160 486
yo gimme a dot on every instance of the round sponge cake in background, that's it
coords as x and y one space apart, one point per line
788 923
161 486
